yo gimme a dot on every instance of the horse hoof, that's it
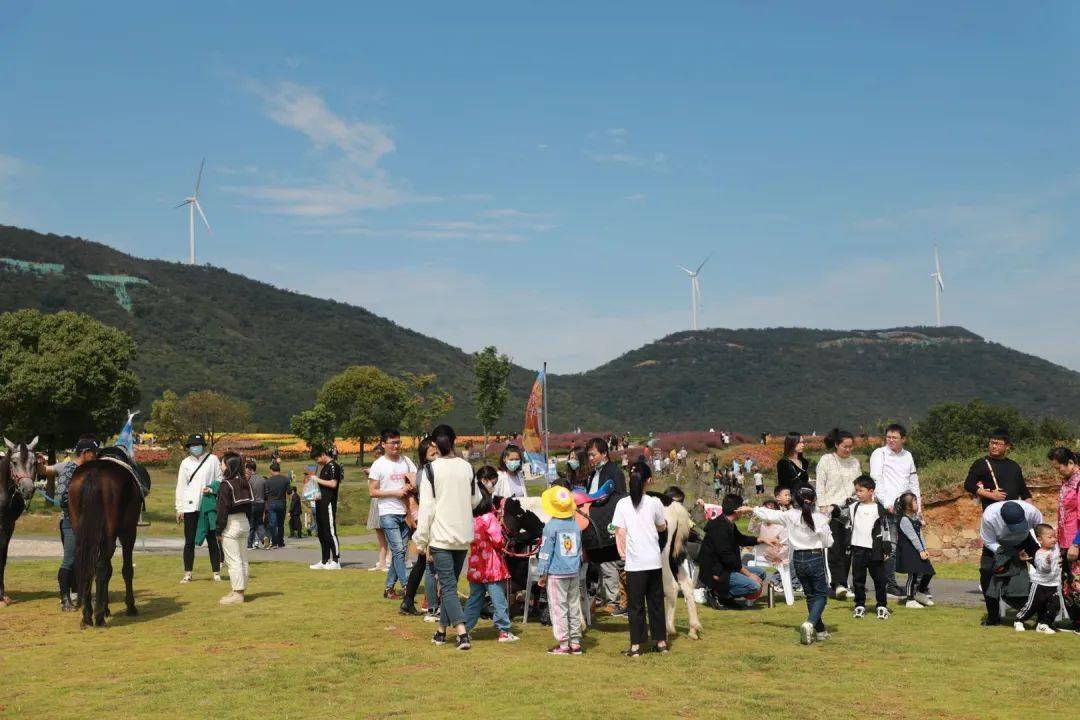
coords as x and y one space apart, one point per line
131 611
108 612
6 600
99 622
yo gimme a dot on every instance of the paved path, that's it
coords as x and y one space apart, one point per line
964 593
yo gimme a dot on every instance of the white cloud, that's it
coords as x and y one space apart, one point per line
636 197
301 108
10 168
509 213
353 180
656 160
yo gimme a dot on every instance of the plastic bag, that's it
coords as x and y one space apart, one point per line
311 489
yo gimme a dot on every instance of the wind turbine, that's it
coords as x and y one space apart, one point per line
939 285
695 291
193 205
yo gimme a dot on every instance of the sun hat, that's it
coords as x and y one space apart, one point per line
195 439
558 502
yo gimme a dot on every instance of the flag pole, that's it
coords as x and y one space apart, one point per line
544 418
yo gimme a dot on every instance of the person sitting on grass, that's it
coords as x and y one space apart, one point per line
772 549
1044 569
487 571
911 555
720 559
871 546
559 567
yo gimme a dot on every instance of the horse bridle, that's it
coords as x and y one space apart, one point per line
532 550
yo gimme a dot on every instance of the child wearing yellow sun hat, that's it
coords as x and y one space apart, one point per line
560 563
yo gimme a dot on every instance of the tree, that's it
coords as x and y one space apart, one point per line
364 400
63 375
960 430
489 387
212 413
173 418
162 422
314 426
422 408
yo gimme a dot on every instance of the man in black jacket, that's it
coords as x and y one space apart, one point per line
720 559
612 577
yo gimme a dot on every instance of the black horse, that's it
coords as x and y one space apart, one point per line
104 502
17 470
523 530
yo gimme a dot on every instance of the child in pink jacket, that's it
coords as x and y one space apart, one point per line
487 573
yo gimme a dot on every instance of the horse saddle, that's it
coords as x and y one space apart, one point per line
118 456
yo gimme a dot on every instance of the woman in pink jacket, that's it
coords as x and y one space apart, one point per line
1067 465
487 572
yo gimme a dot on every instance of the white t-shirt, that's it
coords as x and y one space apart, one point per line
642 538
759 479
862 526
510 485
391 476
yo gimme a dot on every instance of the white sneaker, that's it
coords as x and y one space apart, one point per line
317 566
822 635
883 613
913 604
376 568
217 577
806 633
1019 626
186 578
860 613
925 599
841 592
1045 629
332 565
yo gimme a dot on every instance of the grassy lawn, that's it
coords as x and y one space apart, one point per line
326 645
353 502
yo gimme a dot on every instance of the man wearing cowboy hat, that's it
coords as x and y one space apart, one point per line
198 471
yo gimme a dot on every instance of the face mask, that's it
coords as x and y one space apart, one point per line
195 450
573 463
513 465
599 464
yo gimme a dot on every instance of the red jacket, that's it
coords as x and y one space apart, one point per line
486 561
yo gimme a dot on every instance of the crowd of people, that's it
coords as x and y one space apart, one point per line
820 536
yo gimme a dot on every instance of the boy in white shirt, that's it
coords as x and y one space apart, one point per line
1044 570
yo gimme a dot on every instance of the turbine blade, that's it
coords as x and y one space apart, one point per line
703 263
202 214
198 180
182 204
688 272
940 283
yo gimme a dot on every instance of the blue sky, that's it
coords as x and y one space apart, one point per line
530 174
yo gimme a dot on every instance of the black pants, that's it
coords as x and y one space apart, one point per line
917 582
986 576
839 562
861 562
295 525
1042 602
416 576
326 519
191 524
645 593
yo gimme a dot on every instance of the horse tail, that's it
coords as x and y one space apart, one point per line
90 534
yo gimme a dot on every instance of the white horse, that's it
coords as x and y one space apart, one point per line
678 523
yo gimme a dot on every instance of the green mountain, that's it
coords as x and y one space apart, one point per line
204 327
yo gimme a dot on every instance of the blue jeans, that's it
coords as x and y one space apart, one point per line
448 564
741 586
67 537
275 511
397 538
475 604
810 569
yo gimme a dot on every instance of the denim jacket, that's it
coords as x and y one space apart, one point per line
560 553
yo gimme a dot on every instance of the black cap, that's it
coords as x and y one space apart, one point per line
86 444
1014 517
196 439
